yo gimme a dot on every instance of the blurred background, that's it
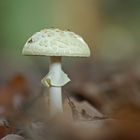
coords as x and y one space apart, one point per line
108 80
110 27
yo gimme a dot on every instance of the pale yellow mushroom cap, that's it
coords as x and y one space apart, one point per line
55 42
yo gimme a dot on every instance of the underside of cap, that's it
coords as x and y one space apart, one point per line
55 42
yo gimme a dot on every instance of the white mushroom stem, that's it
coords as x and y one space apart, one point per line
55 93
55 101
55 79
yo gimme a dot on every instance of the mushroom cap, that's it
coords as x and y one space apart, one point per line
55 42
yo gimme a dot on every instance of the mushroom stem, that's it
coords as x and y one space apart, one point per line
55 92
55 101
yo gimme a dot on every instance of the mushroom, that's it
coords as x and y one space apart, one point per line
56 43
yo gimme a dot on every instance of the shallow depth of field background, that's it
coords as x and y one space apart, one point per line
109 80
111 28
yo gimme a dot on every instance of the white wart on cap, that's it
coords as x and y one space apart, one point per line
55 42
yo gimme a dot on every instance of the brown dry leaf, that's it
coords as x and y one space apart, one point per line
13 95
4 130
80 110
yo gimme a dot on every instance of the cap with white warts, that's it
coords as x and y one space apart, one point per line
55 42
